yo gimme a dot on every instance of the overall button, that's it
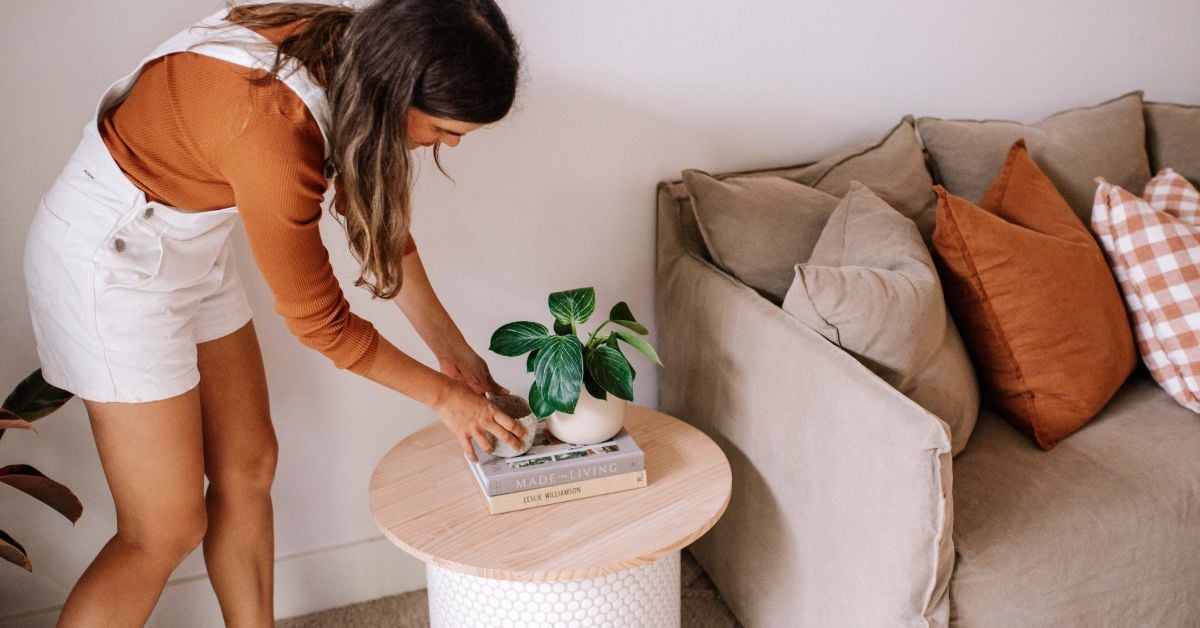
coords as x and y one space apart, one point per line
149 212
119 245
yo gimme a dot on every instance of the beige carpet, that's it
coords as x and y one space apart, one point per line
702 608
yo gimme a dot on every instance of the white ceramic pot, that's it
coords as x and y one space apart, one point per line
594 420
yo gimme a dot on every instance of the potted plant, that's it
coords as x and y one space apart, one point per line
31 400
564 366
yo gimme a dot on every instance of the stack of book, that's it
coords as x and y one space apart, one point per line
552 472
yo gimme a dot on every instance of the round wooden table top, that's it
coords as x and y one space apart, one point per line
425 498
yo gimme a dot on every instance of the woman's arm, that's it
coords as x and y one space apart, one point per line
424 310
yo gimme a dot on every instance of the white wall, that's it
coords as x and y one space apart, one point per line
618 95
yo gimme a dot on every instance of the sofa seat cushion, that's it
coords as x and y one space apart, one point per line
1103 530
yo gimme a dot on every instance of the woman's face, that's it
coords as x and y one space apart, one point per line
426 130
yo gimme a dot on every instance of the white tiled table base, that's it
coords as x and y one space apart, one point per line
648 596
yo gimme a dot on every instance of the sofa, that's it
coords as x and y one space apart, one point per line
849 509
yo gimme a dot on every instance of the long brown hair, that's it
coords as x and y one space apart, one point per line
453 59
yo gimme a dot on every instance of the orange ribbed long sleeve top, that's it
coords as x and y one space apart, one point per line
195 134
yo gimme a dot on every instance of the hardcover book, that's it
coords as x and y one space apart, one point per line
498 504
551 462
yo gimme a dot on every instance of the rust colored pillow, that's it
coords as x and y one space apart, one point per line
1034 300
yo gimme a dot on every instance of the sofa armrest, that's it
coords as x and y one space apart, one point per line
841 511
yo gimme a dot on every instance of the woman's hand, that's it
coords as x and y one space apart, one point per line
471 416
464 365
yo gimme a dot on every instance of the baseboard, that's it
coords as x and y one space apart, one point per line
305 583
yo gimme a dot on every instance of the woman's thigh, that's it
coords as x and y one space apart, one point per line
153 458
239 439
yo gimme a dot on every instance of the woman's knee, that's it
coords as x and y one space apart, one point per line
167 537
249 472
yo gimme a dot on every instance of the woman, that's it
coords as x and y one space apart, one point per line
136 304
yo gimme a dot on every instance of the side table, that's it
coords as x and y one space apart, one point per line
610 560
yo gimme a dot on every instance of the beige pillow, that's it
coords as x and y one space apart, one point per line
893 166
871 288
757 228
1072 147
1173 139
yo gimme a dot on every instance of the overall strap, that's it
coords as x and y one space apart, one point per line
235 44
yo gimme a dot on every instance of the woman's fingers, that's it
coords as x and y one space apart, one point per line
481 437
501 433
465 441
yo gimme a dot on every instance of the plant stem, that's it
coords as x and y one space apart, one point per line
596 331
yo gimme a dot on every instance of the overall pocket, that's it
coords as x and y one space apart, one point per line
42 262
152 254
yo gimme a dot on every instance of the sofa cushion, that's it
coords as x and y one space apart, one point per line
1072 147
871 288
1173 138
1035 301
892 166
1154 246
1102 531
758 228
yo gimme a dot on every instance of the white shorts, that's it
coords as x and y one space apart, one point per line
121 289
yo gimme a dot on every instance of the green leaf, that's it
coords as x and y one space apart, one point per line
562 329
611 341
541 408
573 305
530 361
621 315
33 398
31 481
640 345
611 371
517 338
558 371
589 382
12 551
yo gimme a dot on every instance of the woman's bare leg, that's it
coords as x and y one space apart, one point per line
152 455
239 458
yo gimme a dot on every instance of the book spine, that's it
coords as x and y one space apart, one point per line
543 478
557 494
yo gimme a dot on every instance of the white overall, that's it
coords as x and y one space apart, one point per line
121 289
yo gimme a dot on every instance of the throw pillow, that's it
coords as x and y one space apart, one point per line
871 288
757 228
892 166
1173 138
1072 147
1035 301
1154 245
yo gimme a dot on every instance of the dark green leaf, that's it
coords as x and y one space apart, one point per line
621 315
541 408
530 361
611 341
558 371
12 551
562 329
33 398
640 345
593 388
611 371
517 338
31 481
573 305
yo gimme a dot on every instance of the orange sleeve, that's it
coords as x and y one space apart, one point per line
275 169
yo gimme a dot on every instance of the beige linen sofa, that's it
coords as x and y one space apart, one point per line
848 509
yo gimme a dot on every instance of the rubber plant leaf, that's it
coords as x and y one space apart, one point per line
8 420
32 482
12 551
33 398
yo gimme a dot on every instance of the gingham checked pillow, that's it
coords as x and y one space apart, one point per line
1153 245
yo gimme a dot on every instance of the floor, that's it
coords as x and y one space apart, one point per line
702 607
